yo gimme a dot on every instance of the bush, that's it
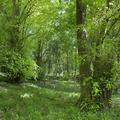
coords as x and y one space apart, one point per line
18 68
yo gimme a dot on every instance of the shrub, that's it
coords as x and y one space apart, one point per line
18 68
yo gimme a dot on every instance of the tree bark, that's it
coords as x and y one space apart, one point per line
83 52
15 31
103 72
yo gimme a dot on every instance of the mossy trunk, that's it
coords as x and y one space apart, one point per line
83 52
15 27
103 70
102 67
103 75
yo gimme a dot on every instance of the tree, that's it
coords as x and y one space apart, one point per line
96 69
17 62
56 38
103 69
83 52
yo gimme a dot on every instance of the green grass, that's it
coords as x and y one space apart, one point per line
30 102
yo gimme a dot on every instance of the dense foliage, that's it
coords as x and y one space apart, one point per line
71 40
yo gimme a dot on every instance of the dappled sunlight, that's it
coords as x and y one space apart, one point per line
4 90
59 59
26 95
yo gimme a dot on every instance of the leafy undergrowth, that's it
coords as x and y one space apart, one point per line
33 102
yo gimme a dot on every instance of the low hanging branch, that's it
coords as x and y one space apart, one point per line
111 27
113 23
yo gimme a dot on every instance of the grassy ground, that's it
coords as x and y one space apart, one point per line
55 101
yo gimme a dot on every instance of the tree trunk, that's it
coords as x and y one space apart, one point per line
84 68
103 72
15 32
102 67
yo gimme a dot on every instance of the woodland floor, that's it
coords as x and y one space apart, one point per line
53 101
